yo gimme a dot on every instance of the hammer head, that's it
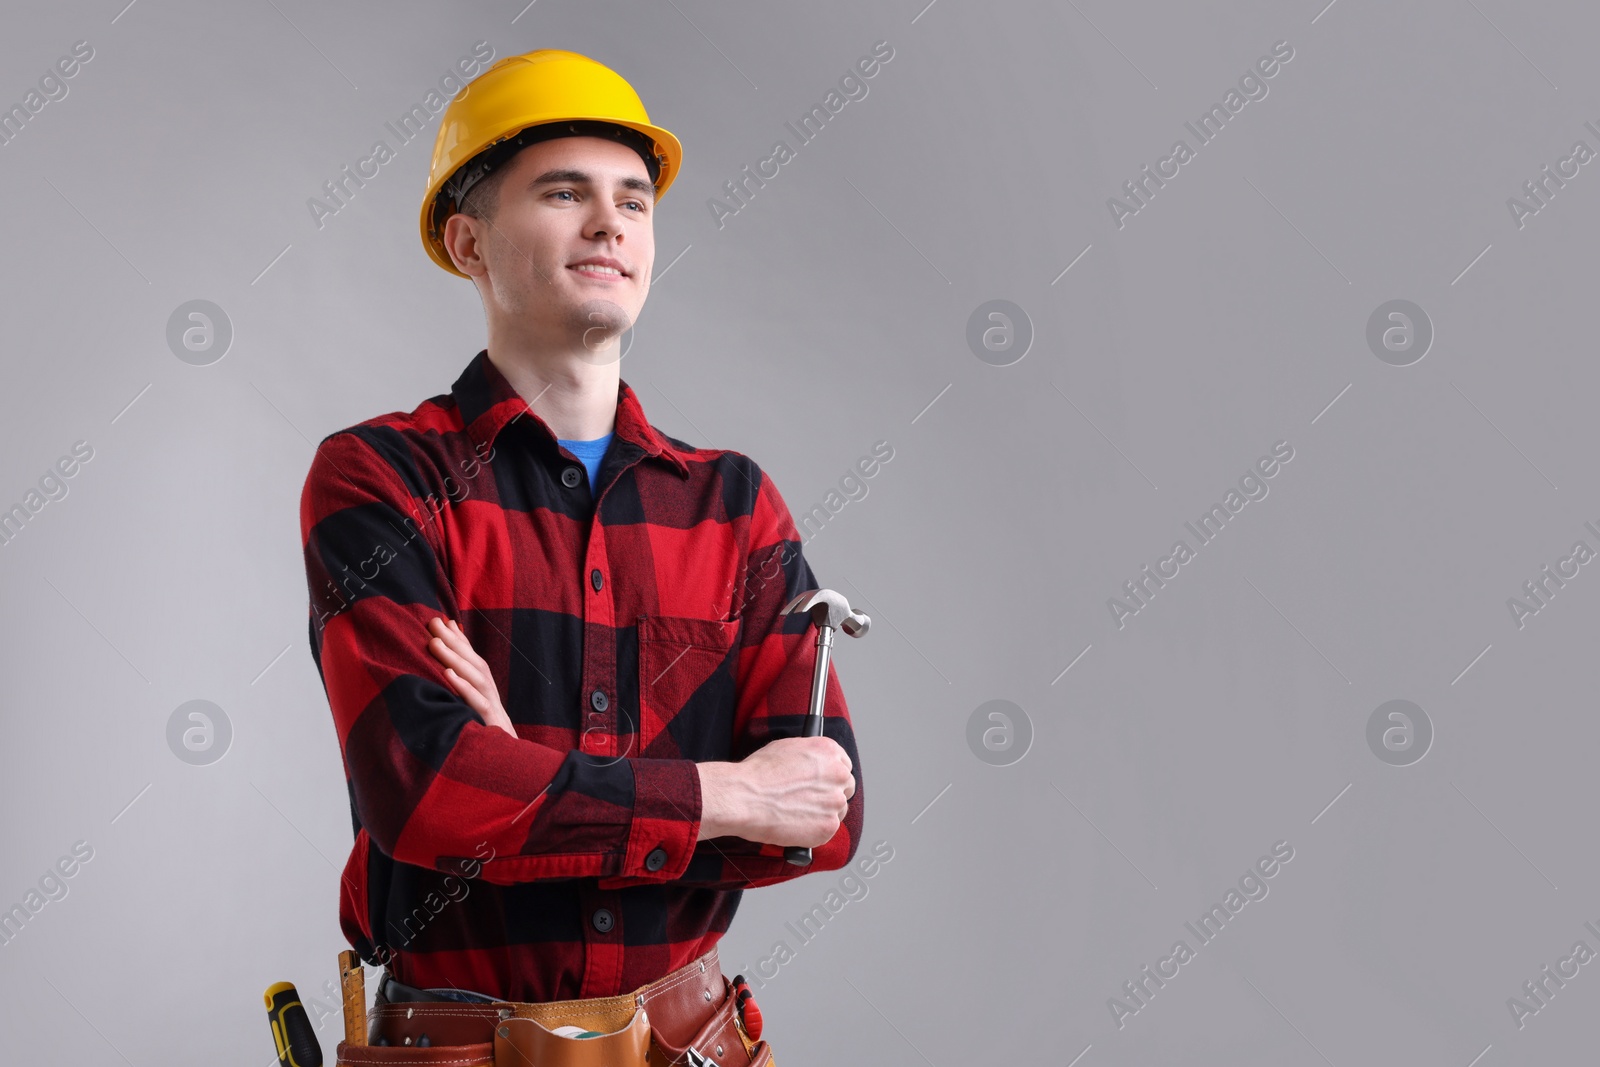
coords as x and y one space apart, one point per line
830 609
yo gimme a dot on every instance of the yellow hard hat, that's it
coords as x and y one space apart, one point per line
499 111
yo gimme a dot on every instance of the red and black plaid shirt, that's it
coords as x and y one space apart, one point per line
631 632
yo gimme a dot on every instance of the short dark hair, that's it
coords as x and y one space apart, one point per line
483 199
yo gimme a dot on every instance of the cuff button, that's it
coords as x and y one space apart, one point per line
656 860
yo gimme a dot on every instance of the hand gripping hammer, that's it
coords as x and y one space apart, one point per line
829 611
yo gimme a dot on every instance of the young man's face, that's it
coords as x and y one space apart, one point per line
560 203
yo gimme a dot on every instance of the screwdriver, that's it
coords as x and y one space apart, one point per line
291 1030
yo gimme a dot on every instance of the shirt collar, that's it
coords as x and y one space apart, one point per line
488 404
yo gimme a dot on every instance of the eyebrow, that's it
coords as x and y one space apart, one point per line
578 177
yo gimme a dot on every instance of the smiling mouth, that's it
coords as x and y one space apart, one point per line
592 270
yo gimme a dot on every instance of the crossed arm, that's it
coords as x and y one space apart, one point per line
791 791
436 771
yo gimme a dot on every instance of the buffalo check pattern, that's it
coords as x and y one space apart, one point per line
632 632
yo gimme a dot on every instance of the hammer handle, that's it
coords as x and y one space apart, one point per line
800 855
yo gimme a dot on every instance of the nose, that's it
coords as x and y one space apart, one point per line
607 221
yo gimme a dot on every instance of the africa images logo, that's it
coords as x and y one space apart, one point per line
338 190
1252 487
1252 886
812 123
1252 86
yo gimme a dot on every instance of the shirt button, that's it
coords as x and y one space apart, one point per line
598 700
602 920
656 860
596 579
570 477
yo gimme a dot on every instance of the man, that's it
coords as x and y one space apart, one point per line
550 635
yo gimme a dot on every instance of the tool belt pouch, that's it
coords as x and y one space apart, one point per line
719 1040
519 1042
513 1040
439 1032
652 1027
480 1054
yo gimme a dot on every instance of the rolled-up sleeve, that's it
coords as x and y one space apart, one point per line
430 782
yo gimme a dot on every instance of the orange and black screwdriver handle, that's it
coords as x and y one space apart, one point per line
292 1034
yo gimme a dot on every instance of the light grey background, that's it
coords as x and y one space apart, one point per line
831 312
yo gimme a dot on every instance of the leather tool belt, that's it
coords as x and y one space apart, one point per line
692 1016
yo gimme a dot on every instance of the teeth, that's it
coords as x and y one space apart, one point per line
598 269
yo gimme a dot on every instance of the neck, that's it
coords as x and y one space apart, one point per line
573 389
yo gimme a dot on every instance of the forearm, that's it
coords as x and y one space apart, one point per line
742 812
511 811
727 801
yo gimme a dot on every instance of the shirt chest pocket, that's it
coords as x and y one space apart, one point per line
686 687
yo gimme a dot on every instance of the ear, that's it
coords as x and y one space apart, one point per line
463 237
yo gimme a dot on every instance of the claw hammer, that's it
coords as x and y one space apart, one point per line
829 611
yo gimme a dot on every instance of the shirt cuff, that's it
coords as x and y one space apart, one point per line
666 819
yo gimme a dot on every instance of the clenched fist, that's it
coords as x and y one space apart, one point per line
792 791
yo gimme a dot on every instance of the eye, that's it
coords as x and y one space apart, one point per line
640 205
560 192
